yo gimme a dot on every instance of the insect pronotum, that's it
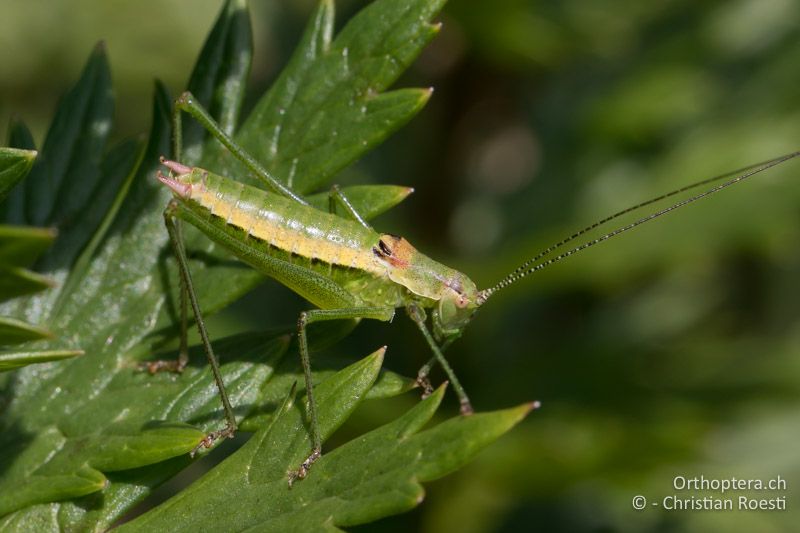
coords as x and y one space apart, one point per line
341 265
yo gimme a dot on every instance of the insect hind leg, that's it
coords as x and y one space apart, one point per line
172 222
188 104
175 365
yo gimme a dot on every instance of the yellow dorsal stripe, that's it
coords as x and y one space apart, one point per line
327 241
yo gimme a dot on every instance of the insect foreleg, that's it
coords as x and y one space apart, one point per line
422 375
417 314
337 195
320 315
173 228
187 103
423 380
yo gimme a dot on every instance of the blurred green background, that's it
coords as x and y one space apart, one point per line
672 350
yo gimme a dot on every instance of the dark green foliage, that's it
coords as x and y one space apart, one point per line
365 479
19 248
85 440
14 165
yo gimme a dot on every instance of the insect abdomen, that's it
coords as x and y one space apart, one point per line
300 231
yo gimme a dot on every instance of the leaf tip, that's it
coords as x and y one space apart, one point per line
378 354
50 233
439 392
423 96
516 414
374 361
238 5
47 334
66 354
403 193
94 480
100 48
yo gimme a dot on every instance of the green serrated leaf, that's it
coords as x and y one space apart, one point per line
71 153
20 246
368 478
337 398
132 422
369 201
9 360
88 309
326 109
15 331
119 283
314 42
121 167
219 78
14 166
41 481
217 81
123 446
393 35
387 385
19 136
86 316
77 483
15 282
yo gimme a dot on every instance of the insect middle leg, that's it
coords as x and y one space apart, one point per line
336 195
309 317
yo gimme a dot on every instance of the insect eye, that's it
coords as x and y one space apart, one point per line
382 250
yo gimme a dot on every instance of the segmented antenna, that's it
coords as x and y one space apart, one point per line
525 268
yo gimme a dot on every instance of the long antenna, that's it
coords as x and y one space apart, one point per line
531 265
